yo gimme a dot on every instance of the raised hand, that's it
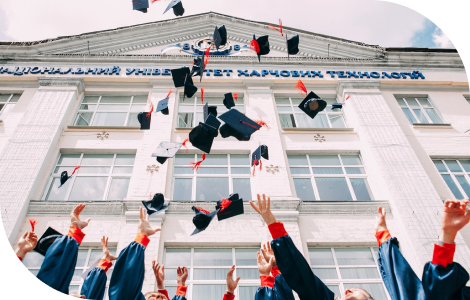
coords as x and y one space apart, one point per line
75 217
268 253
27 242
144 224
263 266
159 272
264 209
181 276
106 254
454 218
231 284
380 218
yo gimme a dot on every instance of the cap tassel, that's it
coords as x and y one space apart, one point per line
235 96
243 122
206 56
33 222
202 210
202 95
254 46
225 203
277 29
255 163
347 97
197 165
260 164
151 109
300 85
262 123
169 93
153 1
184 145
76 168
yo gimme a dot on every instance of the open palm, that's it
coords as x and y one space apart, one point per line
75 217
144 224
454 215
264 267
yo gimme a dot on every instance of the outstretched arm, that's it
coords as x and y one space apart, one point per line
231 285
26 243
281 289
381 232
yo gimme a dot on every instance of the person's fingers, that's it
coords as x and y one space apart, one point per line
269 204
25 235
157 230
163 268
88 220
140 213
269 247
255 207
271 261
146 216
238 279
185 270
446 202
264 248
258 256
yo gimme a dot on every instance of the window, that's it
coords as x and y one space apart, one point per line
190 111
86 258
208 271
291 116
219 176
110 110
343 268
329 177
419 110
7 102
100 177
468 99
456 174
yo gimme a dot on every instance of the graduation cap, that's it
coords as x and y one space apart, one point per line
228 100
209 110
260 45
177 6
293 45
202 136
179 76
237 125
231 207
220 36
312 105
337 105
64 176
155 205
202 219
166 150
140 5
46 240
260 152
189 88
144 120
198 67
163 106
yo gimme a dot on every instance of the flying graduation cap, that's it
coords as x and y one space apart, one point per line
189 88
198 67
177 6
228 100
260 152
260 45
155 205
237 125
209 110
312 105
337 105
202 136
140 5
202 219
230 207
220 37
163 104
292 45
46 240
144 119
179 76
166 150
64 176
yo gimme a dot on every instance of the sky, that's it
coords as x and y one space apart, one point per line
372 22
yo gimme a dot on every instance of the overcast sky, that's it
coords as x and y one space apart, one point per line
373 22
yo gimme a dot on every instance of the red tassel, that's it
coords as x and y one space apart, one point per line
76 168
202 210
300 85
169 93
153 1
277 29
254 46
197 165
225 203
255 163
262 123
254 168
260 164
151 109
250 125
32 222
347 97
184 145
206 56
235 96
202 95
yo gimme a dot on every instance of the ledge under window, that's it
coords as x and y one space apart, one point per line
104 127
432 125
291 129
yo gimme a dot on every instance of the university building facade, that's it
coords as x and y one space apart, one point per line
399 142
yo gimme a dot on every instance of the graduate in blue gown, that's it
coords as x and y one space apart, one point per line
292 264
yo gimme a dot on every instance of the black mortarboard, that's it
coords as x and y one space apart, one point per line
261 151
156 204
46 240
198 67
202 137
179 76
213 122
293 45
220 36
202 219
312 105
163 106
140 5
64 176
144 120
263 44
209 110
177 6
189 88
239 123
223 35
228 101
231 207
166 150
337 105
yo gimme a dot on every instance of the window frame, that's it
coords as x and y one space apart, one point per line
9 103
467 97
463 173
421 108
347 176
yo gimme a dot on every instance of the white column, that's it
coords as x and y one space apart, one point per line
29 149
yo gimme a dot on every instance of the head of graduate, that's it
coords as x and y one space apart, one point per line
155 296
355 293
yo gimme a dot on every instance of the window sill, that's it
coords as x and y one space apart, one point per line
184 129
104 127
296 129
440 125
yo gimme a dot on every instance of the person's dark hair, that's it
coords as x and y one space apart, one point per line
366 292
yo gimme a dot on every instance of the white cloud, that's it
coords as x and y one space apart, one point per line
368 21
440 39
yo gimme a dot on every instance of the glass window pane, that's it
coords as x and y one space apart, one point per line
242 186
239 159
359 273
464 184
354 256
33 260
280 100
183 170
175 257
170 274
324 160
59 170
182 189
83 119
246 257
424 102
337 121
295 171
376 290
433 115
412 102
132 120
361 188
210 274
91 99
355 171
453 166
77 275
88 188
69 159
56 193
420 115
97 159
95 256
351 160
409 115
215 159
115 99
4 97
440 166
138 107
15 98
93 170
185 120
140 99
211 170
81 257
296 101
88 107
327 170
240 170
401 102
247 292
333 188
209 188
452 186
118 188
74 290
321 257
125 159
304 121
287 120
109 119
248 274
304 189
465 164
329 273
108 107
335 290
34 272
172 290
184 159
212 257
284 109
297 160
208 291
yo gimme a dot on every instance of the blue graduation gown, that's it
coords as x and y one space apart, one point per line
445 283
59 264
400 280
95 284
297 272
280 291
